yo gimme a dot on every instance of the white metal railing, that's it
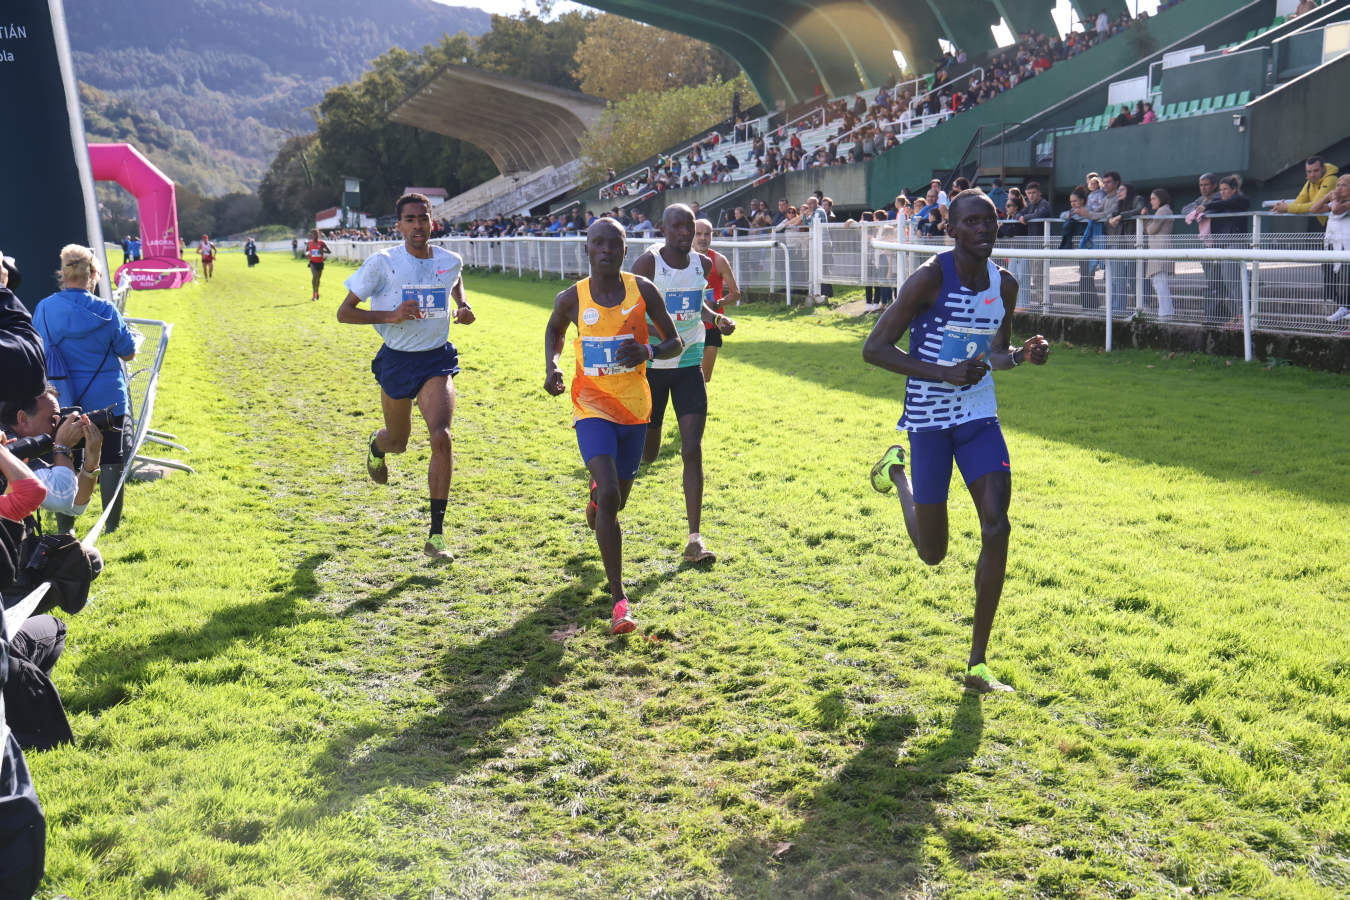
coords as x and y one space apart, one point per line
1279 282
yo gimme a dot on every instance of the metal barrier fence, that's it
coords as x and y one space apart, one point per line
1262 279
771 265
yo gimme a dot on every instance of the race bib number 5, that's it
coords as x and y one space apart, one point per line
960 345
600 355
684 305
433 300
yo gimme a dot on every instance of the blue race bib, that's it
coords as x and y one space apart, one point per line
684 305
600 355
433 300
959 345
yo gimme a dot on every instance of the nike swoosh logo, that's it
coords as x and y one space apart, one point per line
443 271
628 310
990 300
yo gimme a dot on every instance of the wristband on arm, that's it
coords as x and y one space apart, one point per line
651 352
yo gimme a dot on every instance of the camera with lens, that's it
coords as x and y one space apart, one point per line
41 444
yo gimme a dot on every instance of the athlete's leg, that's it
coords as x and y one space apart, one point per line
709 360
436 400
393 437
610 496
925 522
315 274
660 387
691 451
992 494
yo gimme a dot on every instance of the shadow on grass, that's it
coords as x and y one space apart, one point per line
865 831
480 688
104 678
1176 417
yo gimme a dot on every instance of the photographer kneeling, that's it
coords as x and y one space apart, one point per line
69 484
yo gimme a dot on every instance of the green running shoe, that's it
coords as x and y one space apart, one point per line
979 678
376 467
436 549
881 472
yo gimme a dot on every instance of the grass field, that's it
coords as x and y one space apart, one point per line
275 695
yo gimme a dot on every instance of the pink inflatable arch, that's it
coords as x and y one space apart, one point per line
160 265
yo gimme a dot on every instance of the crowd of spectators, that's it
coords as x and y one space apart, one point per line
63 405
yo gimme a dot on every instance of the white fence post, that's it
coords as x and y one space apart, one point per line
1045 269
1256 268
1110 298
816 245
1139 266
1246 314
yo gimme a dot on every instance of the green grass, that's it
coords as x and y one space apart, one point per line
275 695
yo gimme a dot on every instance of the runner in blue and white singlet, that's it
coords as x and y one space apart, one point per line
958 308
682 278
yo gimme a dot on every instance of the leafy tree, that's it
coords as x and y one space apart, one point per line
528 47
648 122
604 60
288 191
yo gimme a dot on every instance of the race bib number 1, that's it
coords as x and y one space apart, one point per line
959 345
433 300
600 355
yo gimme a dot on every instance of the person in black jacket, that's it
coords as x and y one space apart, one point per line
1222 308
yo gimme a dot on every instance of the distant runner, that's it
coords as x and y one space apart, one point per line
207 251
611 402
410 288
682 278
959 329
317 251
722 284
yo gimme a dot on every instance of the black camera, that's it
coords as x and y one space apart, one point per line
41 444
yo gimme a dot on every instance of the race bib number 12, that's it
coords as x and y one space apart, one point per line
433 300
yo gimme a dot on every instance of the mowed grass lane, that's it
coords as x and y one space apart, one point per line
275 695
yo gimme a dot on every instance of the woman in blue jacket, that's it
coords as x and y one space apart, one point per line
86 339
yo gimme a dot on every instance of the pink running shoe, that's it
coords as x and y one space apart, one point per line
621 622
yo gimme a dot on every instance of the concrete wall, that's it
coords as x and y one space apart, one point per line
846 185
1232 73
1156 154
1299 119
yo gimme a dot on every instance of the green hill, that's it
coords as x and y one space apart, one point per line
236 76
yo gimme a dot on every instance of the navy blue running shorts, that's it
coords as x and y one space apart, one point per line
401 374
601 437
977 446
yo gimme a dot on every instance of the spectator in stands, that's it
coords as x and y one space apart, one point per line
1149 116
1336 276
642 226
1129 205
69 482
998 195
1321 179
1103 24
784 211
1158 227
1208 185
1122 118
1037 206
1080 230
740 223
1223 308
1304 6
791 218
85 337
1012 225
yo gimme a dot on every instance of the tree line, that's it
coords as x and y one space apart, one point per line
634 66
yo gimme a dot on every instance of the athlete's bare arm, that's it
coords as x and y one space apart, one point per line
917 294
646 266
555 337
1035 349
671 342
731 291
463 312
350 312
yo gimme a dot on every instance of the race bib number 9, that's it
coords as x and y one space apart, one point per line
433 300
684 305
959 345
600 355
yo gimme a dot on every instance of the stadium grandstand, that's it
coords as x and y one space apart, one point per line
530 131
1228 86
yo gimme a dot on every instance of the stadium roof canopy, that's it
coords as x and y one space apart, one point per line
521 125
788 48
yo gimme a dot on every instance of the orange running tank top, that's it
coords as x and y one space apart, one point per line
603 387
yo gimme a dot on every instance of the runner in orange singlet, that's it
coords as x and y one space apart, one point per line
722 283
611 402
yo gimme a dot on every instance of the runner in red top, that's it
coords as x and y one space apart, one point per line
722 283
316 251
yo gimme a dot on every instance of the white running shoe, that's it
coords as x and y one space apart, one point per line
1342 313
